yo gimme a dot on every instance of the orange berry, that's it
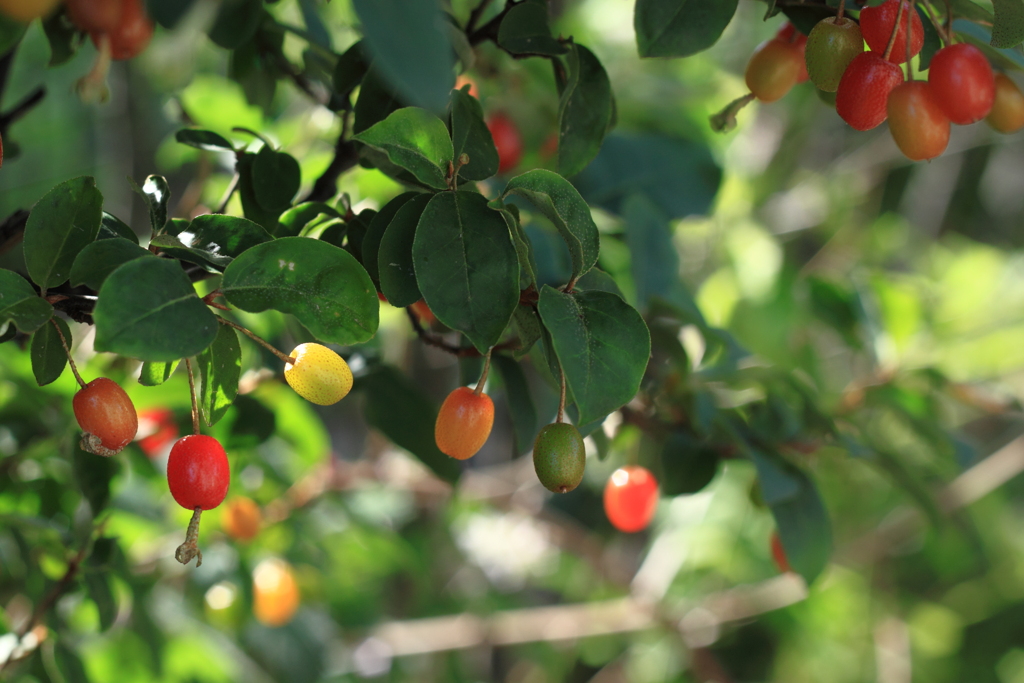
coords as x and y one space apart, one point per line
464 423
275 593
916 121
774 69
242 519
106 415
1007 115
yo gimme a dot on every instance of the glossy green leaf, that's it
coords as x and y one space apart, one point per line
65 220
172 245
321 285
602 344
524 248
11 32
21 304
394 258
585 111
559 201
350 69
62 37
680 28
112 227
525 31
405 416
520 402
251 206
204 139
654 259
156 373
220 366
528 329
932 41
471 137
466 266
376 101
275 178
211 240
236 23
147 309
415 140
100 258
1008 26
156 193
48 356
297 219
375 232
409 46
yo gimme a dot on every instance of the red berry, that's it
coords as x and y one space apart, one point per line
864 90
159 429
876 24
464 423
1007 115
131 34
630 498
198 473
773 69
106 415
916 121
507 141
962 82
779 553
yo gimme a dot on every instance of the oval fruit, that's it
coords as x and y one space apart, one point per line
318 374
197 472
463 423
876 25
917 123
773 70
962 83
106 415
631 498
27 10
1007 115
831 46
242 519
507 141
131 34
275 594
95 16
864 89
559 457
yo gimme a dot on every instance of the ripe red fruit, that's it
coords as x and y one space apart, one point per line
916 121
464 423
779 553
876 24
131 34
1007 115
160 429
197 472
95 16
506 140
630 498
773 69
106 415
962 82
864 90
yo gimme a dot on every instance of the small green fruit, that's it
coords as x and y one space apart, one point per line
559 457
831 46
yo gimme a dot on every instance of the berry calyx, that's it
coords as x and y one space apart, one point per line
864 89
831 46
559 457
917 123
507 141
318 374
773 70
106 415
463 423
631 498
242 518
779 553
197 472
962 82
275 593
876 24
1007 115
131 34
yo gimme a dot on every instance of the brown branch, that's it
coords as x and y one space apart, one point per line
462 352
12 229
346 156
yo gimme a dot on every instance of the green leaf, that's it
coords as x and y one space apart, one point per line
156 193
48 356
980 37
147 309
602 344
559 201
1008 27
687 465
416 140
220 366
654 260
69 664
394 259
65 220
251 206
275 179
204 139
21 304
294 220
520 403
405 416
407 42
524 248
155 374
211 240
525 31
168 13
321 285
112 227
98 586
680 28
349 70
93 474
11 32
932 41
470 136
236 23
100 258
466 266
585 111
679 176
376 101
63 38
171 245
528 329
375 232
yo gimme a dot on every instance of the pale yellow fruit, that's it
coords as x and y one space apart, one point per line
318 374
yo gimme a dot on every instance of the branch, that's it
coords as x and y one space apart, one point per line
460 351
489 31
346 156
12 229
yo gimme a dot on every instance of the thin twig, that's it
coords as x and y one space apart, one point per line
255 338
346 156
459 351
222 206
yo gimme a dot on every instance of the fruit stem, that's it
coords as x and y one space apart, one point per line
483 375
842 8
192 393
910 69
258 340
561 397
71 361
190 548
895 30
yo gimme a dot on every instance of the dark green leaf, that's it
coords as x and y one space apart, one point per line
203 139
100 258
600 281
1008 27
602 344
21 304
11 32
48 356
251 206
680 28
321 285
65 220
376 101
294 220
585 111
93 474
525 31
415 140
349 70
236 23
409 46
932 41
63 38
394 259
397 408
559 201
98 586
528 328
524 248
520 403
211 240
168 13
805 16
156 193
655 262
466 266
249 423
69 664
112 227
155 374
375 232
220 366
687 465
172 245
147 309
470 136
275 179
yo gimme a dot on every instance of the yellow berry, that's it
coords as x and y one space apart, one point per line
318 374
275 593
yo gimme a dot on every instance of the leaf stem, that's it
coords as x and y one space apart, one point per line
257 339
71 361
483 375
190 548
895 30
192 393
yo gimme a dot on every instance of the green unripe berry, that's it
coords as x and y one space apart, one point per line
831 46
559 457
